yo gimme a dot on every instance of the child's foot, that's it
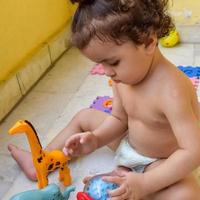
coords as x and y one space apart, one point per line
24 160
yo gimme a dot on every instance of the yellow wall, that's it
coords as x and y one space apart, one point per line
24 26
186 12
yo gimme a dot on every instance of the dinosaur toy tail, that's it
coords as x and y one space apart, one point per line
67 192
24 126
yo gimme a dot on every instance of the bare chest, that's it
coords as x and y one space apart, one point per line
149 129
144 106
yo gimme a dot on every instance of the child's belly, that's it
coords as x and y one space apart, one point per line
158 142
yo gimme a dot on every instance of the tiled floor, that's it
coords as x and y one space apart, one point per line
63 91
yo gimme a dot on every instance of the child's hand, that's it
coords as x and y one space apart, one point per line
80 144
130 185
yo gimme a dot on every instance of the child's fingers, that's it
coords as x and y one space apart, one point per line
85 137
71 145
123 196
117 192
72 141
65 151
68 152
87 179
113 179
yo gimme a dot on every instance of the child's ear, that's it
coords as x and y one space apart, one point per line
151 44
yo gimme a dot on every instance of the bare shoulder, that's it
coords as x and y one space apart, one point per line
177 84
177 89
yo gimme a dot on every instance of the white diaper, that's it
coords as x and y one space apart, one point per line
127 156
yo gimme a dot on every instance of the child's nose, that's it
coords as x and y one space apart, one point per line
108 71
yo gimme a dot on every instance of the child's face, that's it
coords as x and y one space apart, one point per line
124 63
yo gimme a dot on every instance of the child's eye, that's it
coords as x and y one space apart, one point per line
115 63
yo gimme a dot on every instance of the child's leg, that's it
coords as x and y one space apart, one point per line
24 160
185 189
84 120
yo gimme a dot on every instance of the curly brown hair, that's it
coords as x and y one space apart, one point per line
119 21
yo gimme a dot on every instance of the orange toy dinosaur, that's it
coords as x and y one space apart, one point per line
43 160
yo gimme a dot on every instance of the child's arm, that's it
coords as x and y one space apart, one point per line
112 127
185 125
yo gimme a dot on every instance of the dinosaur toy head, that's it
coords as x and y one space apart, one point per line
19 127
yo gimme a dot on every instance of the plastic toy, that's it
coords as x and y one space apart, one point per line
97 69
191 71
110 82
51 192
96 189
195 81
83 196
171 39
103 103
44 161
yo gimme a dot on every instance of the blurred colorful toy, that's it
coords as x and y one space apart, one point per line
83 196
102 103
96 189
195 81
50 192
97 69
193 73
171 39
110 82
44 161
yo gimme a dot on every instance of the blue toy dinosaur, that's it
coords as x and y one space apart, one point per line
51 192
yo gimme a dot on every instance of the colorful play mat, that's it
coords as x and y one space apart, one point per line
193 74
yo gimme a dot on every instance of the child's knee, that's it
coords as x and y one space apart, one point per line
85 114
186 194
187 191
184 190
89 118
83 117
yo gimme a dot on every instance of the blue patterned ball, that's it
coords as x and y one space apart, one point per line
97 188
